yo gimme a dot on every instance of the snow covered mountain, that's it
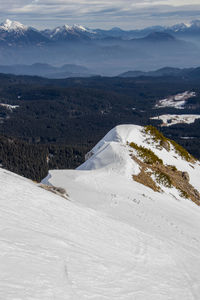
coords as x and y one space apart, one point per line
115 235
13 33
107 52
193 26
15 29
66 32
9 25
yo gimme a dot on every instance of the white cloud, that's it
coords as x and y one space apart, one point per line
97 11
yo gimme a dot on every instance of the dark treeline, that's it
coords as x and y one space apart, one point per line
34 160
22 158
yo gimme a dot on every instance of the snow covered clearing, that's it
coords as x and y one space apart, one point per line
169 120
113 239
177 101
9 106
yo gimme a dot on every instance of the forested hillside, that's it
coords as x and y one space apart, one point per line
55 122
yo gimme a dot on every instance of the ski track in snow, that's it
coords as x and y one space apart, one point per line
114 239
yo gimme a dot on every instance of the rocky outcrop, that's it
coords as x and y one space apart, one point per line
158 175
186 176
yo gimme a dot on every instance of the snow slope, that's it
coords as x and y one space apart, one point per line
104 183
113 239
111 156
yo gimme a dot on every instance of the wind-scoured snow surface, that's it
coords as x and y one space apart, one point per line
113 239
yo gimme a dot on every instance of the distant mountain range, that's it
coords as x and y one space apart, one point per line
167 71
105 52
66 71
12 31
46 70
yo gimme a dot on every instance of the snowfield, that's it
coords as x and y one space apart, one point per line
113 239
9 106
177 101
169 120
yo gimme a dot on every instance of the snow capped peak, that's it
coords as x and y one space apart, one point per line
67 27
74 27
77 28
188 25
9 25
181 26
75 31
195 23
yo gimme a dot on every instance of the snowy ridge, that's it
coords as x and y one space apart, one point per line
184 27
70 28
113 154
73 31
79 27
114 239
14 26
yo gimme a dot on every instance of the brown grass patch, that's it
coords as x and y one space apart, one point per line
168 176
56 190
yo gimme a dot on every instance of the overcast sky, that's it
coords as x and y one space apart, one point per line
126 14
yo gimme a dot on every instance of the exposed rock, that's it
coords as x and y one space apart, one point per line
186 176
176 178
56 190
196 193
145 178
165 144
88 155
59 190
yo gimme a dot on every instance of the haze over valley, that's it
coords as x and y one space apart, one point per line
102 52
